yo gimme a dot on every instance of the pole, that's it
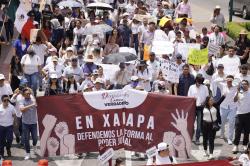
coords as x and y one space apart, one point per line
231 11
4 20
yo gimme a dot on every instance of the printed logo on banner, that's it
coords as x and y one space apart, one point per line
112 99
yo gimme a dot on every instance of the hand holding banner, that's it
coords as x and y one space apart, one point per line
198 57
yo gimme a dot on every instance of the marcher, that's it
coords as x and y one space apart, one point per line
7 114
242 116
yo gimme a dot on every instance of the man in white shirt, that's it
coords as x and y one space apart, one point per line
200 92
243 116
53 68
5 88
153 66
130 8
163 156
231 62
243 74
7 113
216 37
228 108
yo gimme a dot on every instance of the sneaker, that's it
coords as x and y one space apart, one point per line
229 142
235 149
206 154
210 157
197 142
27 156
244 148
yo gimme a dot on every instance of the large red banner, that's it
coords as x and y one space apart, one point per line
133 120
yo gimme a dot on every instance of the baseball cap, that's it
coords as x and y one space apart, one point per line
162 146
2 77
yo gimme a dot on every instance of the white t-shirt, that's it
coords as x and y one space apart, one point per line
19 99
243 103
131 8
6 115
78 35
5 90
207 116
135 28
200 93
52 69
30 63
161 160
229 94
40 50
77 72
231 64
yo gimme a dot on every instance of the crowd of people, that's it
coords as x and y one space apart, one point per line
70 61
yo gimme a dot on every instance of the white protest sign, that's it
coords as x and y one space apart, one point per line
170 71
213 49
162 47
151 152
105 157
183 48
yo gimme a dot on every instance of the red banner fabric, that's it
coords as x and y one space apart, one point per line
207 163
132 120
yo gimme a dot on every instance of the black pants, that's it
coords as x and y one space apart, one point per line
242 124
208 136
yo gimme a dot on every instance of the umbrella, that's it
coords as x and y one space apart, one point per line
178 20
118 58
69 3
163 21
100 28
99 5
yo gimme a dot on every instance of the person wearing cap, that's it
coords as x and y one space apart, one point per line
89 65
231 62
161 88
5 88
216 37
200 92
217 81
70 85
144 74
54 86
242 116
67 57
179 62
53 68
163 156
31 64
218 18
51 52
16 99
183 10
243 46
228 108
7 114
98 85
74 69
133 84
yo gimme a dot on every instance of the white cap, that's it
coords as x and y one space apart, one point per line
162 146
217 7
53 76
99 80
134 78
2 77
87 86
69 49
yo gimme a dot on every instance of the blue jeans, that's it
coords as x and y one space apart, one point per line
27 130
6 138
32 81
198 115
228 114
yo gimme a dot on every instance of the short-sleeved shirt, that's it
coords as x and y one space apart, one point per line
6 115
21 48
30 63
77 72
5 90
29 116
